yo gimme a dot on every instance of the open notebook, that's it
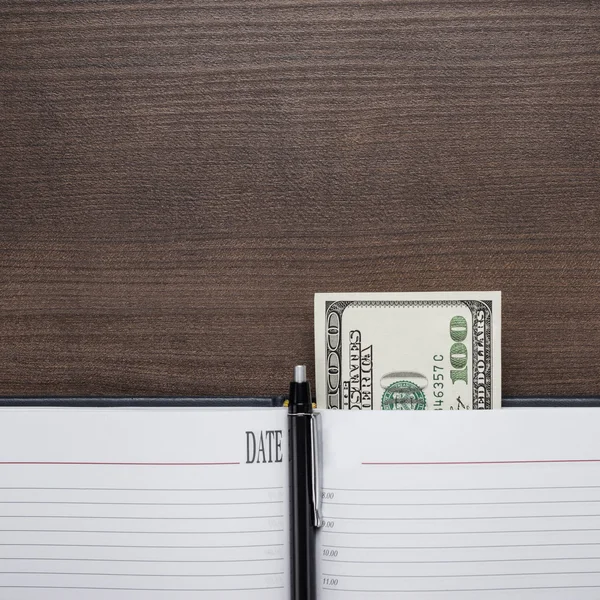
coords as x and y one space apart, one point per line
193 503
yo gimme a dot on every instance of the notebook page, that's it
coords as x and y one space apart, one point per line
461 505
149 504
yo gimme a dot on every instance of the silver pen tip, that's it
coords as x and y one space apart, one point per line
300 373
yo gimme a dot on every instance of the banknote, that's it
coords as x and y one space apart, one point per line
423 351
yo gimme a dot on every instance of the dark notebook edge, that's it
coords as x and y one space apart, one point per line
106 401
251 401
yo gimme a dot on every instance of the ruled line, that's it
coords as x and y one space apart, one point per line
140 560
118 464
113 489
133 589
152 546
70 503
502 503
136 518
427 562
560 544
455 576
453 518
140 532
488 462
493 489
189 575
445 591
445 532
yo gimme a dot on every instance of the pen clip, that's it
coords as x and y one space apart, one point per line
317 465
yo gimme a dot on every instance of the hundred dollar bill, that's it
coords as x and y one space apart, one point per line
421 351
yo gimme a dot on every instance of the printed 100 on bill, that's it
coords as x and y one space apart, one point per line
422 351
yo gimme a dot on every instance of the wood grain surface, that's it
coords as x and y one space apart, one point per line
178 178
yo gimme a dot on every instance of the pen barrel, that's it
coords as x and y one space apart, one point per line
300 398
302 529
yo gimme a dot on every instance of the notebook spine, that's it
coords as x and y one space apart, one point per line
252 401
104 401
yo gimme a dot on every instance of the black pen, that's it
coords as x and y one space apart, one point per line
304 488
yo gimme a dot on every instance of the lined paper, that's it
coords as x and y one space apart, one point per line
153 504
451 506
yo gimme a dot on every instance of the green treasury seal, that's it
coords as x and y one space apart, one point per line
403 395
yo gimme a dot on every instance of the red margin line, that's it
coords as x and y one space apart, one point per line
490 462
126 464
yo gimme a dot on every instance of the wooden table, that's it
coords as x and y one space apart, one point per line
178 178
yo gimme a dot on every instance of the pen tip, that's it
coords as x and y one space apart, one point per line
300 373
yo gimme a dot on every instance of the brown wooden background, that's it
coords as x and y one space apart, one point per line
178 178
